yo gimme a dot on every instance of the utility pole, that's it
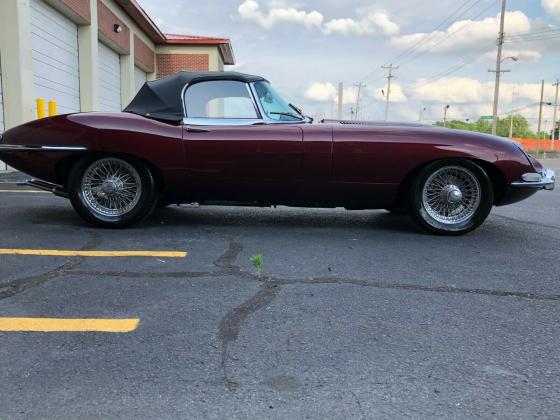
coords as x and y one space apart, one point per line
390 76
340 99
445 115
359 86
498 69
541 103
511 116
554 120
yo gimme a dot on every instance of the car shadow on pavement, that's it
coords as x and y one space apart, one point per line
282 218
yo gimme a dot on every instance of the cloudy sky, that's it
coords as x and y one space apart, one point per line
443 49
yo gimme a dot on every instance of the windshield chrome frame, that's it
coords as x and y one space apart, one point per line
263 113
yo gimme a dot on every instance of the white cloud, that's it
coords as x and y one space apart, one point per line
397 93
466 34
552 7
522 55
321 92
250 10
327 92
464 90
374 23
452 90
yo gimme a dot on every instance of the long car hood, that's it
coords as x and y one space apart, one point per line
420 132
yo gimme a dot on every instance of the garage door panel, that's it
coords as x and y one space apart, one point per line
140 78
55 57
61 58
2 164
44 17
109 79
1 104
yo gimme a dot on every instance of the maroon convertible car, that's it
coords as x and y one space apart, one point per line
229 138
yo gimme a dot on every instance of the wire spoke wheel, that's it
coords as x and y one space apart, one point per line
451 195
111 187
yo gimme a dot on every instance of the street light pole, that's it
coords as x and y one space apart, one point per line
359 86
421 114
340 99
390 76
445 115
541 103
498 68
511 116
554 120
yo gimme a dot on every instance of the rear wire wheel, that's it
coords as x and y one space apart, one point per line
451 197
112 192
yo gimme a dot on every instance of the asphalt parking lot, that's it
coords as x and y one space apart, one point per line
353 315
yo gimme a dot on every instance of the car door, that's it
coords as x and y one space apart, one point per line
231 153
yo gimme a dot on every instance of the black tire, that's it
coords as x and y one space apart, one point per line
85 202
464 212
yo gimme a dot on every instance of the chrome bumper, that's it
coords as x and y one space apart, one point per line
544 180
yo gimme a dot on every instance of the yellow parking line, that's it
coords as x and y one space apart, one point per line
25 191
66 253
69 325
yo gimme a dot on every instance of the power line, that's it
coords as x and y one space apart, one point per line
450 70
539 38
533 34
432 34
455 15
423 52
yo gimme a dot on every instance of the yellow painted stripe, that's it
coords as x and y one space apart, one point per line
25 191
65 253
69 325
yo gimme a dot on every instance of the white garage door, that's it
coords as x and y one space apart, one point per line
2 165
109 79
56 73
140 78
1 102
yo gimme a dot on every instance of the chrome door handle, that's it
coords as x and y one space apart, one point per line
197 130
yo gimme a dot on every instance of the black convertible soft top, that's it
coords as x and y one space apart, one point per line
161 99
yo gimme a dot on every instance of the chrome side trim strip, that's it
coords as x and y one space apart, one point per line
19 147
64 148
221 122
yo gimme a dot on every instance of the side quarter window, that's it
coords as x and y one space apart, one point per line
219 99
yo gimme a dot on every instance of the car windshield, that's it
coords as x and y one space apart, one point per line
274 106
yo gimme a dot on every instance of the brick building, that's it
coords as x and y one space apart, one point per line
89 55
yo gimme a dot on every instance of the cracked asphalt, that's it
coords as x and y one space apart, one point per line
355 315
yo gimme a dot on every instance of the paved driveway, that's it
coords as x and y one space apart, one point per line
353 314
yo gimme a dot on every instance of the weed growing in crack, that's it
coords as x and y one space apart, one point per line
257 261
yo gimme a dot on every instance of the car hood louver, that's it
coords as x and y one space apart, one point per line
371 123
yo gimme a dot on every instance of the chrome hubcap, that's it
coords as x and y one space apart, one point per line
451 195
111 187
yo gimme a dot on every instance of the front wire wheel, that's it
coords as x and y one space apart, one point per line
111 187
112 192
451 198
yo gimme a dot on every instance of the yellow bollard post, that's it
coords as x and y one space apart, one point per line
52 108
41 108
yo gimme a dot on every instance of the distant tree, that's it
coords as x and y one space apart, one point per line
521 127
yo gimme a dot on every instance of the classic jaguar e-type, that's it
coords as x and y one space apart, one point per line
229 138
